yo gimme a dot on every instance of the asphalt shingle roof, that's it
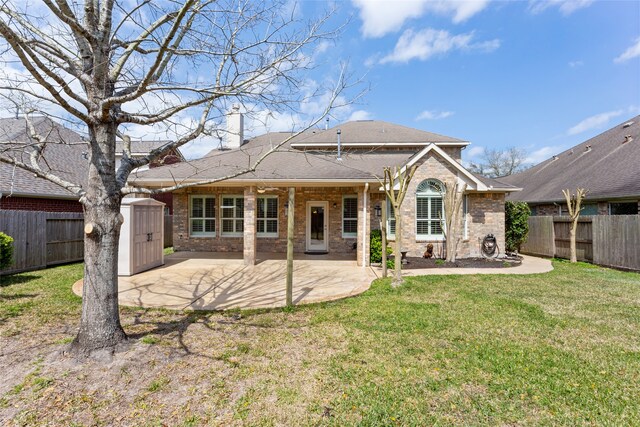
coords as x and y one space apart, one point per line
64 156
296 164
375 132
140 147
606 166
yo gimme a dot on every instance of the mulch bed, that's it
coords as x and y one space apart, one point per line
417 263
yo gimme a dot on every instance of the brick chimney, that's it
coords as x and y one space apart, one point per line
234 137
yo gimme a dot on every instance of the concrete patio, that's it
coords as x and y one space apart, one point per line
216 281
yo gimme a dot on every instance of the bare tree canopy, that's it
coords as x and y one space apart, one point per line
172 67
495 162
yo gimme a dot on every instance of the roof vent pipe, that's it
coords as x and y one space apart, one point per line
338 132
627 138
326 124
588 148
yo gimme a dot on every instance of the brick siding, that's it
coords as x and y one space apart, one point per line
485 216
550 209
39 204
336 243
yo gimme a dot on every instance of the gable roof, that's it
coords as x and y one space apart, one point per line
374 133
300 165
605 165
64 156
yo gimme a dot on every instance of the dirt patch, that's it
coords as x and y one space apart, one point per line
419 263
176 369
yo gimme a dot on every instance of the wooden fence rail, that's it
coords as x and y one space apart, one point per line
608 240
41 239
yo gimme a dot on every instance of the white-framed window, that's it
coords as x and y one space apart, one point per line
349 216
391 221
232 213
429 209
267 216
202 216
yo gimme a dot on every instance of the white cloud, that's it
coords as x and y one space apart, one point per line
359 115
474 151
428 42
541 154
574 64
566 7
632 51
597 121
380 17
434 115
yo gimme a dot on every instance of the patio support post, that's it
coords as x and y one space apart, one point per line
250 243
290 236
362 247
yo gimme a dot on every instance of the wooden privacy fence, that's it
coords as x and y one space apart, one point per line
609 240
42 239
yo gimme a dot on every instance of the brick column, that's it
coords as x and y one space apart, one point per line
249 247
363 235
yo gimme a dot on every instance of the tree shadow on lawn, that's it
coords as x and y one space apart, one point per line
173 325
16 296
17 279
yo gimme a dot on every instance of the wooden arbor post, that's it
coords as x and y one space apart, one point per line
290 236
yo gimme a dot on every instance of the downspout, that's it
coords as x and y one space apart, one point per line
364 225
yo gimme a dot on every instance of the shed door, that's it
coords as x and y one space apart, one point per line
147 240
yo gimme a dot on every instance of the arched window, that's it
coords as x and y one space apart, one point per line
429 209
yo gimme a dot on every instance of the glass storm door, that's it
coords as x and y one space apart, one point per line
317 226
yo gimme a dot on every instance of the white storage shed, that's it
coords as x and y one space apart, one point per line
141 236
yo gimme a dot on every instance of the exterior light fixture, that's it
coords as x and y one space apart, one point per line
378 210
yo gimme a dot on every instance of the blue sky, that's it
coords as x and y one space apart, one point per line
538 75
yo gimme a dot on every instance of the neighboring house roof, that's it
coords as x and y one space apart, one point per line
144 147
65 156
606 166
304 165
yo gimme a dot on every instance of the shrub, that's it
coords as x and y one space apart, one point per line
6 251
516 225
376 249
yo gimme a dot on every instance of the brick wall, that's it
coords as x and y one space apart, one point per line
182 241
485 214
39 204
550 209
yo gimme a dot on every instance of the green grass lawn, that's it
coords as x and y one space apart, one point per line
561 348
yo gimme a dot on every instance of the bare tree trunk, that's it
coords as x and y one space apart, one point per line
574 203
572 238
100 322
452 198
397 267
